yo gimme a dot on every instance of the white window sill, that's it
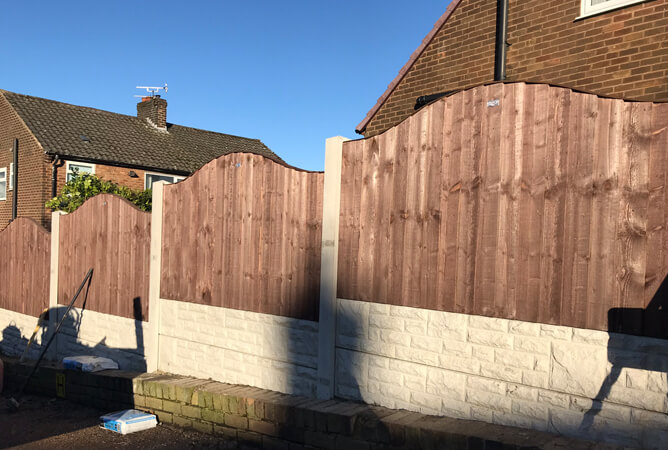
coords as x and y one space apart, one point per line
607 10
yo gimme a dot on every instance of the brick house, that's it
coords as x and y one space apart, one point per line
53 138
615 48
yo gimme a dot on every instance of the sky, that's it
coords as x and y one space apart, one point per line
291 74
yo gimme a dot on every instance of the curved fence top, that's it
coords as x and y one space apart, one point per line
522 201
244 232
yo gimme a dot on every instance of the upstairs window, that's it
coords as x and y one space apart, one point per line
150 178
80 168
591 7
3 183
10 186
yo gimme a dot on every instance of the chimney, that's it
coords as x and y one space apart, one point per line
154 109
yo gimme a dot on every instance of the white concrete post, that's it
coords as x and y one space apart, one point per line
331 203
152 341
53 280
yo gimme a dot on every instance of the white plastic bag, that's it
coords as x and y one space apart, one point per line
89 363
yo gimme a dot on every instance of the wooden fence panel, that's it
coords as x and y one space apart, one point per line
526 202
244 232
25 256
113 237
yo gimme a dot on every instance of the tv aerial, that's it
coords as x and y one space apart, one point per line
153 90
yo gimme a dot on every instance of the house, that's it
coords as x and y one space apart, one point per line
614 48
53 138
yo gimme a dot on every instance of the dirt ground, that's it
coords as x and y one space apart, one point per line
43 423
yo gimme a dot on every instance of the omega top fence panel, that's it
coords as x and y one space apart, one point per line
519 201
25 254
113 237
244 232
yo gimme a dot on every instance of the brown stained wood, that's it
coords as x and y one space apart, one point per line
602 236
432 250
382 197
24 270
386 196
113 237
410 267
450 203
469 203
398 216
552 246
504 262
637 198
546 207
250 235
526 307
488 218
367 218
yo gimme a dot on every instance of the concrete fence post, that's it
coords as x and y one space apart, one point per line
152 342
328 267
53 278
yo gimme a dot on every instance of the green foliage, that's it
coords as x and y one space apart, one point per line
83 186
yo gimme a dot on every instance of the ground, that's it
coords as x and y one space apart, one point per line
43 423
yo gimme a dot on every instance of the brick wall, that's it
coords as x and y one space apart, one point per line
34 169
112 173
620 53
502 371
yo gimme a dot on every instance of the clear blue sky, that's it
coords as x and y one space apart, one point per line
288 73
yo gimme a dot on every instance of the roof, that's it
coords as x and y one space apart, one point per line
83 133
404 70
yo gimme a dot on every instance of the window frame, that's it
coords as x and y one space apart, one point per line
76 163
176 178
10 178
587 9
3 195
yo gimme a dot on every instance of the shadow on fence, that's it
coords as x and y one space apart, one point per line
69 341
623 353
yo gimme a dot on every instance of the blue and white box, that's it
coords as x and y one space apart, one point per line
128 421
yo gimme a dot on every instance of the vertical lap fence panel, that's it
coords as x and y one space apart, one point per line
526 202
25 252
244 233
113 237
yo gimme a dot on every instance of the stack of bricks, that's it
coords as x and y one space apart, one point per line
269 419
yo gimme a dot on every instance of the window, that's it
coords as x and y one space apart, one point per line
79 167
10 186
3 183
150 178
590 7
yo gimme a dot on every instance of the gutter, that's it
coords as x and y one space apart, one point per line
15 184
501 38
57 162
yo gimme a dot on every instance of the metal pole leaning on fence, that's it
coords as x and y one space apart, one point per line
16 402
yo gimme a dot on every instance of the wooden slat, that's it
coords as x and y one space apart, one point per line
249 232
113 237
24 269
544 207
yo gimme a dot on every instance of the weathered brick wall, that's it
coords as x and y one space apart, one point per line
112 173
232 346
34 170
620 53
501 371
460 55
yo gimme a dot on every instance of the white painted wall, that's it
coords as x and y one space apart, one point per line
503 371
92 333
238 347
16 331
